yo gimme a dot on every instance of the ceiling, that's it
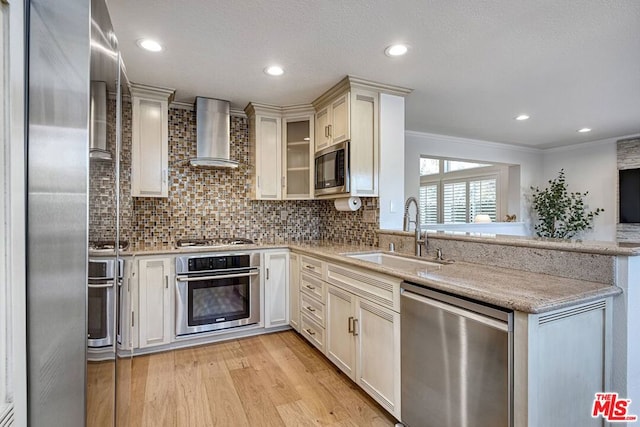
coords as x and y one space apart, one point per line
473 65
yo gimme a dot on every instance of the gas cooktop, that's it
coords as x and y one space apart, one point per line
108 245
212 242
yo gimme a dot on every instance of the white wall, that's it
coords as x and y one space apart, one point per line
529 159
590 167
391 179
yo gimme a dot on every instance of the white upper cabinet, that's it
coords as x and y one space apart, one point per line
350 111
322 129
298 155
150 140
281 151
339 126
333 122
265 151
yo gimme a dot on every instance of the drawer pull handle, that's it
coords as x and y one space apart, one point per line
311 309
310 267
310 287
356 329
351 324
310 332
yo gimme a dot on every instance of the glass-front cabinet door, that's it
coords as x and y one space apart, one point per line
298 158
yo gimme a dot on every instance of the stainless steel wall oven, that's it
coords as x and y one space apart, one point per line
217 291
101 309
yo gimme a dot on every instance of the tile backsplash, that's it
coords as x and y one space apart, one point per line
213 202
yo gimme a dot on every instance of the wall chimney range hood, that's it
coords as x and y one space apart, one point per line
213 134
98 125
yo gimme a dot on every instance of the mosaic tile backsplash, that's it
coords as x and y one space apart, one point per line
213 202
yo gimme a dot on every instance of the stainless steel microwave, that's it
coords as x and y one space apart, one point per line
332 170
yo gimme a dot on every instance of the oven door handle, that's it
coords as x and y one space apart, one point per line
222 276
100 285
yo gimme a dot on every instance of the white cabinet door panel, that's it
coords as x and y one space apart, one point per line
276 289
154 302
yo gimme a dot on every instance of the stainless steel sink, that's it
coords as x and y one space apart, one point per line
393 261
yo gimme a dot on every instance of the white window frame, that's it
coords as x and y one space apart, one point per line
499 172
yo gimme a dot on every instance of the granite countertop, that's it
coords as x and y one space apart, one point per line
509 288
583 246
513 289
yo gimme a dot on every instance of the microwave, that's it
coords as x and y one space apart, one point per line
332 170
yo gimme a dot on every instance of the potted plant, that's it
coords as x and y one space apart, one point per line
561 214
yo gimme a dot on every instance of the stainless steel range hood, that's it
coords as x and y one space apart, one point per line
98 125
213 138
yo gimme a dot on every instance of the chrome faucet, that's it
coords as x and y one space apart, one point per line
419 239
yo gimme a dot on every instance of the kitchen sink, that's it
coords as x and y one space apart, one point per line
393 261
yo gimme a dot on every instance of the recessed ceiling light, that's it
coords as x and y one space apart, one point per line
522 117
396 50
584 130
150 45
274 70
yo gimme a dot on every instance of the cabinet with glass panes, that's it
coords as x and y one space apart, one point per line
298 155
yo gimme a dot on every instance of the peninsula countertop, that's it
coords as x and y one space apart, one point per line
509 288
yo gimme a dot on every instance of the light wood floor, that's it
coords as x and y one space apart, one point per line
268 380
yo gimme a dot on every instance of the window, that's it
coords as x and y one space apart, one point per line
455 191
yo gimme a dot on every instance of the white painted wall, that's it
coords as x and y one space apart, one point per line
590 167
391 178
529 160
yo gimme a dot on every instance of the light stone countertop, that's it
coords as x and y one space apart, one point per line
513 289
583 246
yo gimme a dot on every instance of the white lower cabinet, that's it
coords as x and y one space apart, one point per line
341 345
154 301
276 289
294 291
363 340
377 331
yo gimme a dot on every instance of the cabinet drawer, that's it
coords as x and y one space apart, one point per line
312 332
313 287
312 308
381 289
311 266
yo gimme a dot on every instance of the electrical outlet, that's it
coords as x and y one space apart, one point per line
283 215
369 216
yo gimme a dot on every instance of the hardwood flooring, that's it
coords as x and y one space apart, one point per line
268 380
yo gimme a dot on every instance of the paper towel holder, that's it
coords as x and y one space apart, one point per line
347 204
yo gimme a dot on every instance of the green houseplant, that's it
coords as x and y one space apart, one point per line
561 214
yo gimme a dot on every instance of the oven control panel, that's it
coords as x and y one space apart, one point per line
214 263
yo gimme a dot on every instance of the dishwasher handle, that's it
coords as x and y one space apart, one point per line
494 323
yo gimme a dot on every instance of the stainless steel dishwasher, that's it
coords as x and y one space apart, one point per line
456 361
